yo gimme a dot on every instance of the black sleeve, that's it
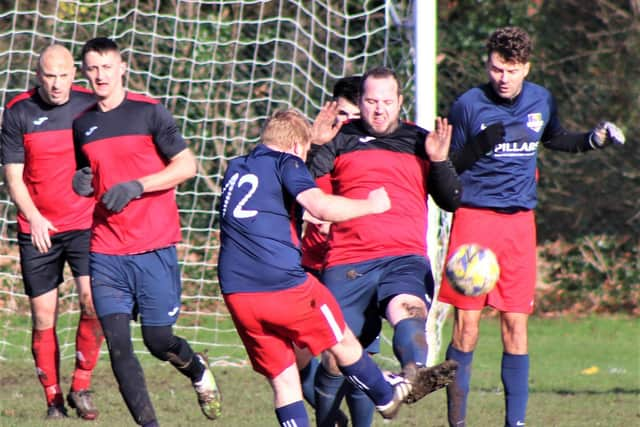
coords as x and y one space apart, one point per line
464 158
81 159
322 159
166 135
569 142
444 185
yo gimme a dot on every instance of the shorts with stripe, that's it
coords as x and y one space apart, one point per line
268 322
146 284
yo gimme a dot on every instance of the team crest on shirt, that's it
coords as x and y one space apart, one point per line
535 122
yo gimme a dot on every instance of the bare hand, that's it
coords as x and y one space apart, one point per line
324 228
40 238
326 125
379 200
437 143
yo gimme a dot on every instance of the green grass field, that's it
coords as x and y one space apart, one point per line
584 372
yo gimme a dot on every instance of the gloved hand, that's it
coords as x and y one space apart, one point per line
477 147
606 133
82 182
119 196
488 138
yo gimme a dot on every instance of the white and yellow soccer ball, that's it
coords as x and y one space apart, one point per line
473 270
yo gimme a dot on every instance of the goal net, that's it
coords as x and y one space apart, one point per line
221 67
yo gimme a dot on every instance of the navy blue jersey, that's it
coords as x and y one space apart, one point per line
506 177
259 222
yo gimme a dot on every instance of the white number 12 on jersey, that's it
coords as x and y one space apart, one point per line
239 211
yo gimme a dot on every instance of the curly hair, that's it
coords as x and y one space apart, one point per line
512 43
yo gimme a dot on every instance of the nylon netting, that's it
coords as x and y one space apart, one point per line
221 67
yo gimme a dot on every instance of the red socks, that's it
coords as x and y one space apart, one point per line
46 354
89 339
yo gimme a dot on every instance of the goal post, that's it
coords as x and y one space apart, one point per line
425 63
221 67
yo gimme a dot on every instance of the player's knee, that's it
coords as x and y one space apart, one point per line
164 345
465 337
158 340
43 321
406 306
117 333
329 364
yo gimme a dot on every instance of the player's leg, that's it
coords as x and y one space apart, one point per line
354 287
42 273
89 336
322 326
387 393
406 281
287 399
517 258
463 343
307 369
489 229
361 408
403 294
114 299
126 368
270 349
158 298
330 389
515 367
46 352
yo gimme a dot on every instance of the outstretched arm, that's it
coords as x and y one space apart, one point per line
329 207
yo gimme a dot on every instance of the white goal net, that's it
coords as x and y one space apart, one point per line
221 67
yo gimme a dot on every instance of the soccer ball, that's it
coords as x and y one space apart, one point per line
473 270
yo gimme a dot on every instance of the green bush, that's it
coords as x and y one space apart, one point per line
593 274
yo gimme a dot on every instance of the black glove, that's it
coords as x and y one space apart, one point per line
479 145
488 138
119 196
82 182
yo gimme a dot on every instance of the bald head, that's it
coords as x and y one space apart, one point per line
55 74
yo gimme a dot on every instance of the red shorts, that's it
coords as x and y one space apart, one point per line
512 237
269 322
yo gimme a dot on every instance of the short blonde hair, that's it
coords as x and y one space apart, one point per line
285 128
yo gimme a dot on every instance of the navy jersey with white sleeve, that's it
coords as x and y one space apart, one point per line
259 222
506 177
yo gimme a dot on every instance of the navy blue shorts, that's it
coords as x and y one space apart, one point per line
42 273
374 347
364 289
146 284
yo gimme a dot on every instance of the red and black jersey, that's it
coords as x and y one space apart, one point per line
314 244
357 163
135 139
38 135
